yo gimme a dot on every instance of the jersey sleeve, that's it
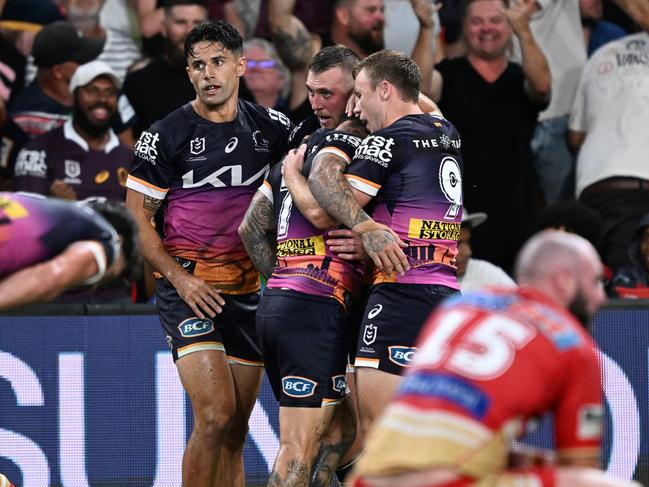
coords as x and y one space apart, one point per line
282 128
578 416
340 144
152 168
375 159
271 183
31 171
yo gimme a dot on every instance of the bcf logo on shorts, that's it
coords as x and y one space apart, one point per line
339 383
195 327
296 386
402 355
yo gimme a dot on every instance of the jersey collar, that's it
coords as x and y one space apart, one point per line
72 135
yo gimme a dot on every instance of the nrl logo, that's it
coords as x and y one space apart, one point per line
197 145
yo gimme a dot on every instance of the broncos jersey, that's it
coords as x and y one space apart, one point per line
413 169
207 174
304 262
35 229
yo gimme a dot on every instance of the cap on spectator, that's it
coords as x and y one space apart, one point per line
29 15
86 73
60 42
472 220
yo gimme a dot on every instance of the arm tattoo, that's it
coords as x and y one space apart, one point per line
330 189
151 204
257 232
294 50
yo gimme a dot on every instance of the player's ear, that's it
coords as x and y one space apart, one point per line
241 66
385 89
567 284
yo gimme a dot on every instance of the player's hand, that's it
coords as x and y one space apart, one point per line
425 12
384 248
346 244
62 190
351 104
294 160
200 296
519 14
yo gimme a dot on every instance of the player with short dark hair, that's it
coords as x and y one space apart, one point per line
487 363
410 167
50 245
400 71
309 293
202 164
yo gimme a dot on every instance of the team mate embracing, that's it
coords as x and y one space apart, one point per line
201 165
301 320
410 167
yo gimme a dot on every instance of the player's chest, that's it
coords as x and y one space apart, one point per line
238 158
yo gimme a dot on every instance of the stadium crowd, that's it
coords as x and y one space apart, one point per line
368 159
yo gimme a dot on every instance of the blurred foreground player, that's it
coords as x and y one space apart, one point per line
489 361
49 245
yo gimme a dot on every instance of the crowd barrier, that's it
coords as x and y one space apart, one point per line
89 396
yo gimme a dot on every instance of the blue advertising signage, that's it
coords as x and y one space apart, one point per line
96 401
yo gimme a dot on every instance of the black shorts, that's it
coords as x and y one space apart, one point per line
394 316
232 331
304 345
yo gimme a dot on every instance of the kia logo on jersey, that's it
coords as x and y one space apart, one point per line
402 355
296 386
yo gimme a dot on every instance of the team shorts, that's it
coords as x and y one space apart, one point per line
232 331
304 346
393 318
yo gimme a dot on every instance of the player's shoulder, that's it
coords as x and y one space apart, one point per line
265 116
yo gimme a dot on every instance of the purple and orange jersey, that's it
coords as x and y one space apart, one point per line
304 262
207 174
35 229
413 169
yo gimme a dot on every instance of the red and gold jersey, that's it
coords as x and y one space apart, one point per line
486 363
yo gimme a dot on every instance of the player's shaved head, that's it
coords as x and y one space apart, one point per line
548 252
564 266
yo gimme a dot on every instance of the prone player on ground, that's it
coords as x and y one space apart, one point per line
202 165
301 320
487 363
411 166
48 246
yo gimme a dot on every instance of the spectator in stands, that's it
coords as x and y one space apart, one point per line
494 104
266 76
119 52
597 32
556 27
162 86
632 279
153 16
12 138
82 158
476 274
608 129
46 103
574 217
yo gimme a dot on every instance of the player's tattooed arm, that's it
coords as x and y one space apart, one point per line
291 37
151 205
334 194
257 232
299 188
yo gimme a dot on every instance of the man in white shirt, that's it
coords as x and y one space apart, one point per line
475 274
